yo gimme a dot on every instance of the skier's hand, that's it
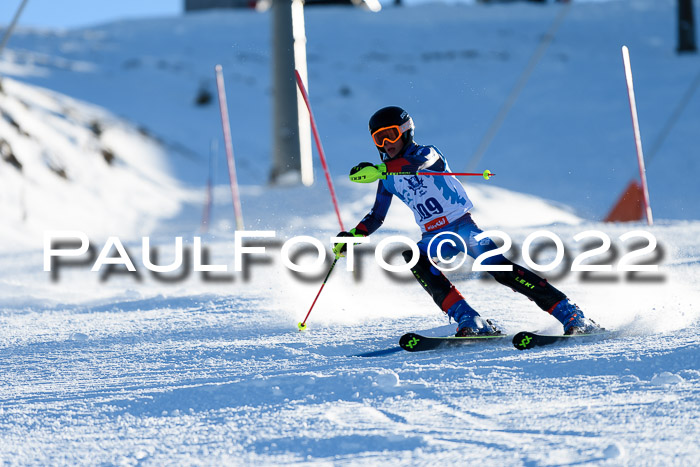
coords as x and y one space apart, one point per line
365 172
340 248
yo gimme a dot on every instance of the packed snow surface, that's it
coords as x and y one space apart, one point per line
129 371
186 367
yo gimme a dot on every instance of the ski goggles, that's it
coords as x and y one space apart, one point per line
390 133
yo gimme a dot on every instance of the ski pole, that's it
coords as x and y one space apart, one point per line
486 174
302 325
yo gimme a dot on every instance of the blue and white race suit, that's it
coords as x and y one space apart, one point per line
439 203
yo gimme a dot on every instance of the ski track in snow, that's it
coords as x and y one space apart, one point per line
215 373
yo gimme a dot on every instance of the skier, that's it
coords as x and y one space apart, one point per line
440 204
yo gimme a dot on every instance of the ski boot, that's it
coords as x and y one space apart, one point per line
573 320
469 323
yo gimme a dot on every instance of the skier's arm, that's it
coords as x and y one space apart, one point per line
375 218
371 222
427 158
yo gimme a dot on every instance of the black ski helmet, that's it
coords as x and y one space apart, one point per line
389 116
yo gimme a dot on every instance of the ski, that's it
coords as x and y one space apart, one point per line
413 342
526 340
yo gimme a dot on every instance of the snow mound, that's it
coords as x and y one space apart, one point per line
666 379
71 165
614 451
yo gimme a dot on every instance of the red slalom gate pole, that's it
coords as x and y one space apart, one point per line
321 154
302 325
238 212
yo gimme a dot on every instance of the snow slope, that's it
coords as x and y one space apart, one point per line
76 167
568 136
126 371
115 368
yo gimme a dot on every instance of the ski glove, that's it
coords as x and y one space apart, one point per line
365 172
340 248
